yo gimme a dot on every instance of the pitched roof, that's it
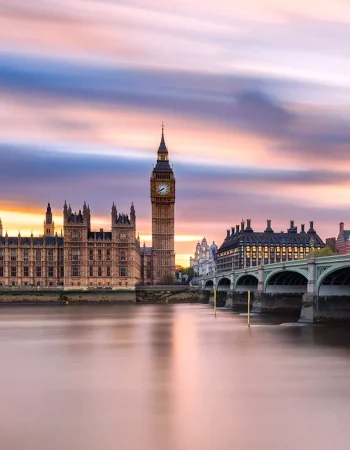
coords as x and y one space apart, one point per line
162 166
162 147
346 235
246 237
146 250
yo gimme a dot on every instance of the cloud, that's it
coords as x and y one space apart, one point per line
240 103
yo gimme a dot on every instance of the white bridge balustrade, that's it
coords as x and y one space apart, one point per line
319 287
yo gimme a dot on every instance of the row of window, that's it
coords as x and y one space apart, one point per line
76 255
266 249
37 256
100 272
75 272
37 272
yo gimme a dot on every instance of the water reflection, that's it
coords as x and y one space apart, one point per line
169 377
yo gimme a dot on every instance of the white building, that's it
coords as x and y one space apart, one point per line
204 258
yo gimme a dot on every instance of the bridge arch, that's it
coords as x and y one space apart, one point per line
224 284
246 282
334 280
209 285
286 281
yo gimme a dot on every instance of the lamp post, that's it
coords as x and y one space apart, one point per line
312 247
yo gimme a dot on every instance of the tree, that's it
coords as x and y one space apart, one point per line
325 251
168 279
188 271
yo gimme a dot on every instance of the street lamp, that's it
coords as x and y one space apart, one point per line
312 247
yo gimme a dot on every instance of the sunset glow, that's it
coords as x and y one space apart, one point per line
254 98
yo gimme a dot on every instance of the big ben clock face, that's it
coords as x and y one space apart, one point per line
163 188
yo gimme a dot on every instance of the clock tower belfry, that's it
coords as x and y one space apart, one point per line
163 224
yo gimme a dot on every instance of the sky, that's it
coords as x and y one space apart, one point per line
254 97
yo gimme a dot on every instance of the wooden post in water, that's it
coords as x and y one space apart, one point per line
248 308
215 302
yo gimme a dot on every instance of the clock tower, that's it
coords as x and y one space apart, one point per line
163 202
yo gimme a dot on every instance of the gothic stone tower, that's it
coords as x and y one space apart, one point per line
49 225
163 202
76 228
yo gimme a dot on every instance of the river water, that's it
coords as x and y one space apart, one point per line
169 377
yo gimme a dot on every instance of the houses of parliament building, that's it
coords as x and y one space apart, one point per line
81 257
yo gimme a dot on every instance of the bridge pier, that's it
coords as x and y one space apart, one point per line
309 301
257 304
309 298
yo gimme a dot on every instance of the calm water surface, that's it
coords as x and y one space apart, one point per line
169 377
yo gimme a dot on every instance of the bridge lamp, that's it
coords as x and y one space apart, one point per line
312 246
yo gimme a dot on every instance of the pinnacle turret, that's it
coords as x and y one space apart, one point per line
162 150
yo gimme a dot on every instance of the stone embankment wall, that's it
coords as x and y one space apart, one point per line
331 308
144 294
170 294
288 303
279 303
48 296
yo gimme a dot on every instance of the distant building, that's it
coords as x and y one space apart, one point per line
243 247
342 244
203 262
331 243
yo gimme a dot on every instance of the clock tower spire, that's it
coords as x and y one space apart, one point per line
163 223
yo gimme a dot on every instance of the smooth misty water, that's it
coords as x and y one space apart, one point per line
169 377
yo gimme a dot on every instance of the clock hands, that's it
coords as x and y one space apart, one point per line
162 189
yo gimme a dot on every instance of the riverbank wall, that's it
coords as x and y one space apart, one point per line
170 294
142 294
56 296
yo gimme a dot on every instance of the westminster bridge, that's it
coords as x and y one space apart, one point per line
318 287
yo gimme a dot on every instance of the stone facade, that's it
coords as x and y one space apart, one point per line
83 258
100 259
